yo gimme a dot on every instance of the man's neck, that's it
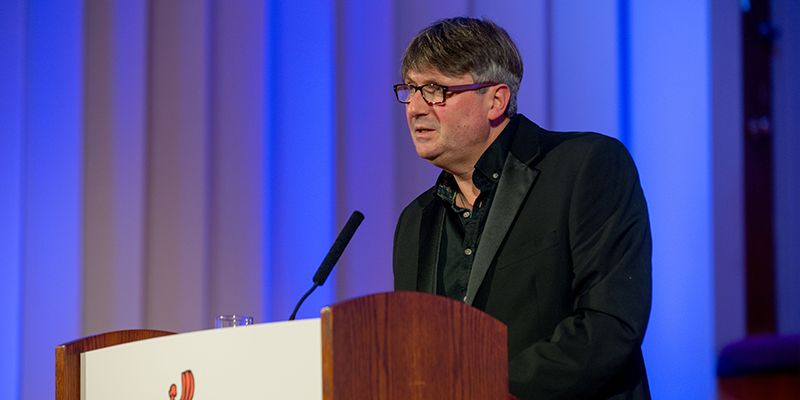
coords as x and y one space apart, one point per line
467 189
463 178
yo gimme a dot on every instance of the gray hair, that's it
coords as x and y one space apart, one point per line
458 46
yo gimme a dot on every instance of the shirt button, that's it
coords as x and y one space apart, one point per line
495 175
468 251
466 214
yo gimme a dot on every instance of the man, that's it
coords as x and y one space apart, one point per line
547 232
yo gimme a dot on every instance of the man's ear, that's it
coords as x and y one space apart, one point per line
500 97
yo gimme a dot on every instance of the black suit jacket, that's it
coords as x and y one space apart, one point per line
564 260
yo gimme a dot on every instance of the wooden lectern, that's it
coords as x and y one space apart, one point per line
388 346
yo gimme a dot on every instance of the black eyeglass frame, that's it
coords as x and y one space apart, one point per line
445 90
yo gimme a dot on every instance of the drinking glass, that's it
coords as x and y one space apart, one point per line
232 320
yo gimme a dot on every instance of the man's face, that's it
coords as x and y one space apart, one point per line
452 135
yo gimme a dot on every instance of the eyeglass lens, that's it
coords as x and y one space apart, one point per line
431 93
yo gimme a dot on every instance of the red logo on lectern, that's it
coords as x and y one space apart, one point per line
187 386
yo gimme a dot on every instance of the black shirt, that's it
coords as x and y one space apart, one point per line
462 226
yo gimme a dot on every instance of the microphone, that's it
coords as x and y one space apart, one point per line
333 256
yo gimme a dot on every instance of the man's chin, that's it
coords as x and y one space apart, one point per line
428 155
434 158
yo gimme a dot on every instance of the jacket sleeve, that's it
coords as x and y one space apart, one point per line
596 351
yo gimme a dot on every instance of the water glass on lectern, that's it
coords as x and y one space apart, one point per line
232 320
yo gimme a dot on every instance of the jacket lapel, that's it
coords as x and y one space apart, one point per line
514 185
430 237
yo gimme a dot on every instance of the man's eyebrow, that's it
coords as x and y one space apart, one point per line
425 82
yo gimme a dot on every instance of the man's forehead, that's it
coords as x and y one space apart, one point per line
432 75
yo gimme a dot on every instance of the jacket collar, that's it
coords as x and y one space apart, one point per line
515 183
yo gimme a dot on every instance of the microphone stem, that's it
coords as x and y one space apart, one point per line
302 299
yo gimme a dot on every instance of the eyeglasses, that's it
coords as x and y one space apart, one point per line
433 93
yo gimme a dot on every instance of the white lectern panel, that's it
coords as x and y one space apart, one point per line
280 360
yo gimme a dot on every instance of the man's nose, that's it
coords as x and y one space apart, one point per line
417 104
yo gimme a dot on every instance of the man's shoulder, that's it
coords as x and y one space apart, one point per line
421 201
531 139
411 218
575 141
